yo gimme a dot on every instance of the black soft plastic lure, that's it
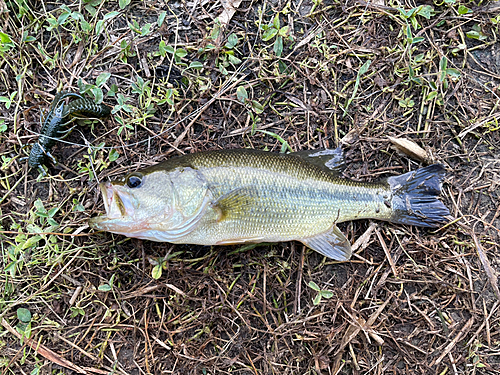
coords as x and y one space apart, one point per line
53 127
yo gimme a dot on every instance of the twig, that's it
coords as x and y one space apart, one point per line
43 351
486 265
387 253
451 345
298 284
363 325
220 93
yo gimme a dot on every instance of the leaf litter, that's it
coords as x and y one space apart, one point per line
267 75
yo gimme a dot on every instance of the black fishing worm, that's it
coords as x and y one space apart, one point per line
57 117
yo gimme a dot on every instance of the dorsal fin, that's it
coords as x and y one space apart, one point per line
327 159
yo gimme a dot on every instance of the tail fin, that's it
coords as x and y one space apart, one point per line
415 197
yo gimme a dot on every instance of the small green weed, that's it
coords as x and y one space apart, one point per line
94 160
284 144
476 359
362 70
141 30
321 293
125 108
462 9
24 325
107 287
124 3
8 100
242 95
161 263
71 19
94 90
274 29
406 103
21 251
226 56
126 51
445 72
476 33
410 16
76 311
177 53
6 43
143 89
49 61
18 252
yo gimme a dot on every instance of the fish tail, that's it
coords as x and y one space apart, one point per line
415 197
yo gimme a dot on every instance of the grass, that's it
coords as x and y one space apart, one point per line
279 76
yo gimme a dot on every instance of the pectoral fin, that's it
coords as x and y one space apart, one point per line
236 203
332 244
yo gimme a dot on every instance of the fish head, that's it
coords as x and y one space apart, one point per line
135 203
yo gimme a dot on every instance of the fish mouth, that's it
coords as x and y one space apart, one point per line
117 204
113 204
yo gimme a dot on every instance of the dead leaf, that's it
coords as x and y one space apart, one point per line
411 149
230 7
3 7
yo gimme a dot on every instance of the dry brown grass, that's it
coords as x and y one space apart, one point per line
411 301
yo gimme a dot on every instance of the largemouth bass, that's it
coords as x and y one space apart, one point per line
236 196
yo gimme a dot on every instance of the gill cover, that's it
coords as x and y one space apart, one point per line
158 206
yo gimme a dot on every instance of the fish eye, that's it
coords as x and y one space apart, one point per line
134 180
59 111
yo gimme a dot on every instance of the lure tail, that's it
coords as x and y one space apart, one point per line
415 197
86 108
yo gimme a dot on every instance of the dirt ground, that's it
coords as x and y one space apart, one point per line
188 76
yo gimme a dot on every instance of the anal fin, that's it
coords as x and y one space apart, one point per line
332 244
